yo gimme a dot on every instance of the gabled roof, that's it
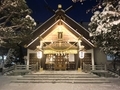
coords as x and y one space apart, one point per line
60 18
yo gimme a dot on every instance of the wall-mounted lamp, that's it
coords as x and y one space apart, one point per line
39 54
81 54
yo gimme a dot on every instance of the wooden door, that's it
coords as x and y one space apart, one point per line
60 62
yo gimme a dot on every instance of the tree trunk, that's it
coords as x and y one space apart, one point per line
21 55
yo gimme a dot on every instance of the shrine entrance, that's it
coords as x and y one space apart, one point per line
59 62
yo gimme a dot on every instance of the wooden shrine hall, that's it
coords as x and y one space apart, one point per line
60 43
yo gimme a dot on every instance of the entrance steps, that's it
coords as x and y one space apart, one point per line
61 77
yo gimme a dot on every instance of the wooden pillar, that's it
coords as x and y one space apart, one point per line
93 62
77 61
27 61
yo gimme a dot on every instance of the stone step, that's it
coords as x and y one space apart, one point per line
61 76
52 73
60 81
33 74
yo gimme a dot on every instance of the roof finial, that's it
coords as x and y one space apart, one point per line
59 6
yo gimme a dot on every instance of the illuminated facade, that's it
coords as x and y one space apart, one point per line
62 43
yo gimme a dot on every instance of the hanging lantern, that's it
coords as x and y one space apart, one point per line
81 54
39 54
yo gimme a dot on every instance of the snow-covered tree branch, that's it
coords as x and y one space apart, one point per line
99 4
15 22
105 29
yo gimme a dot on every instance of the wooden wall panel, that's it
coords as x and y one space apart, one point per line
33 58
87 59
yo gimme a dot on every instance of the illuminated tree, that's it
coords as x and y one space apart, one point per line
99 3
105 29
105 26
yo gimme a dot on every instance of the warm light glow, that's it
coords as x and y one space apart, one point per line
81 47
39 54
58 52
59 6
60 27
81 54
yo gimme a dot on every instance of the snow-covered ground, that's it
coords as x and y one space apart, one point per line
5 84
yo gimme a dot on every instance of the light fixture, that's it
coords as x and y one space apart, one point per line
39 54
81 48
81 54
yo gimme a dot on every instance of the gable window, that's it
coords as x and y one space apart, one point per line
59 35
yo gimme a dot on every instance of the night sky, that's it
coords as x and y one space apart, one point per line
40 13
